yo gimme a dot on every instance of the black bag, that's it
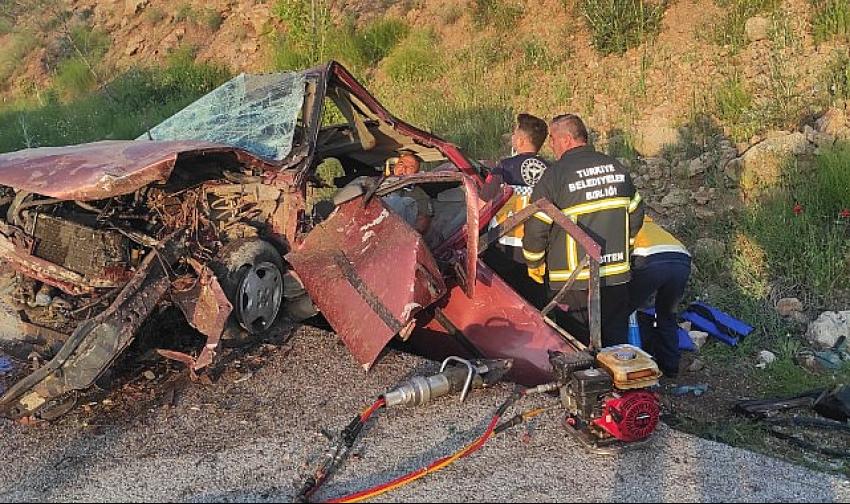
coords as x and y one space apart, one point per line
834 403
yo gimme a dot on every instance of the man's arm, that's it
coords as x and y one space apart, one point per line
637 211
535 238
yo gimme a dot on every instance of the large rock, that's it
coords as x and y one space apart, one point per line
786 307
761 166
133 7
821 140
651 138
825 331
696 167
676 197
834 124
757 28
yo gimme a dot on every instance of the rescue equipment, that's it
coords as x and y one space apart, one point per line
606 398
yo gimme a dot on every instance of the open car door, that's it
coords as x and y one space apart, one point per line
369 273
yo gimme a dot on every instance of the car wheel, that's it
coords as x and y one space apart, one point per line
251 272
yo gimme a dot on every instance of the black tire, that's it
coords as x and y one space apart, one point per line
251 274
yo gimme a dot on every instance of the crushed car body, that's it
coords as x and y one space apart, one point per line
220 212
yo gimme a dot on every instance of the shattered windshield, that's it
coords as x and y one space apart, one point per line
257 113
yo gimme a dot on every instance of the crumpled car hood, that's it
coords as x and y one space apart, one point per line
96 170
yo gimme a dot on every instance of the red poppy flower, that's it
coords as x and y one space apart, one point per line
845 214
798 209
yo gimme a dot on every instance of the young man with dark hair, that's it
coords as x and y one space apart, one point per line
521 171
597 193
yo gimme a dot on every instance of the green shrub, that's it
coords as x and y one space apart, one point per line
380 37
414 60
185 12
836 77
501 14
134 101
731 30
621 145
93 44
538 56
308 32
155 15
211 19
11 54
451 13
619 25
831 19
6 26
74 78
312 38
808 247
734 108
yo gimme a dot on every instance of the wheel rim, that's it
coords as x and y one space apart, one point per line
260 296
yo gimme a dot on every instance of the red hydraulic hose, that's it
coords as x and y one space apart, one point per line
415 475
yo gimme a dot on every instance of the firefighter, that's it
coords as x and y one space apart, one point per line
661 265
597 193
521 171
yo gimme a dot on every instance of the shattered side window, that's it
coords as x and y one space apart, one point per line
257 113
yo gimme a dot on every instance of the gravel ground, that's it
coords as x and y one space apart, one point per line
247 437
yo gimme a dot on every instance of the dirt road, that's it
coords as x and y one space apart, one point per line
247 437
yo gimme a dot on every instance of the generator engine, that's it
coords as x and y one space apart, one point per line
607 398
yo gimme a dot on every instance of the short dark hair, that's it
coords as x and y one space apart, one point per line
534 127
572 124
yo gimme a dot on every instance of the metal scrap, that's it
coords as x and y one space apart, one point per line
206 308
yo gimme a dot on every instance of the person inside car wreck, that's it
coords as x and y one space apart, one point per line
412 202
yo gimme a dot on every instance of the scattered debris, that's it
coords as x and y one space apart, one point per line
765 358
698 337
696 366
6 365
696 390
716 323
822 361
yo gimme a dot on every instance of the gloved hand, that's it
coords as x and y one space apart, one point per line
537 273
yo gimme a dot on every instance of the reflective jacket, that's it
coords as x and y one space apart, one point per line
654 244
597 193
521 172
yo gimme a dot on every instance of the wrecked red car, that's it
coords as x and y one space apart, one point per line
216 211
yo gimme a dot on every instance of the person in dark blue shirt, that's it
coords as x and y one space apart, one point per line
521 171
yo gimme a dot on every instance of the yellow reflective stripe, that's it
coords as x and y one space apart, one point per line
607 270
511 241
572 248
545 218
635 202
659 249
533 256
595 206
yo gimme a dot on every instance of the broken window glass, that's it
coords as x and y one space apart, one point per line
257 113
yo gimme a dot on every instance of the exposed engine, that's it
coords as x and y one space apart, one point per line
606 398
66 259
